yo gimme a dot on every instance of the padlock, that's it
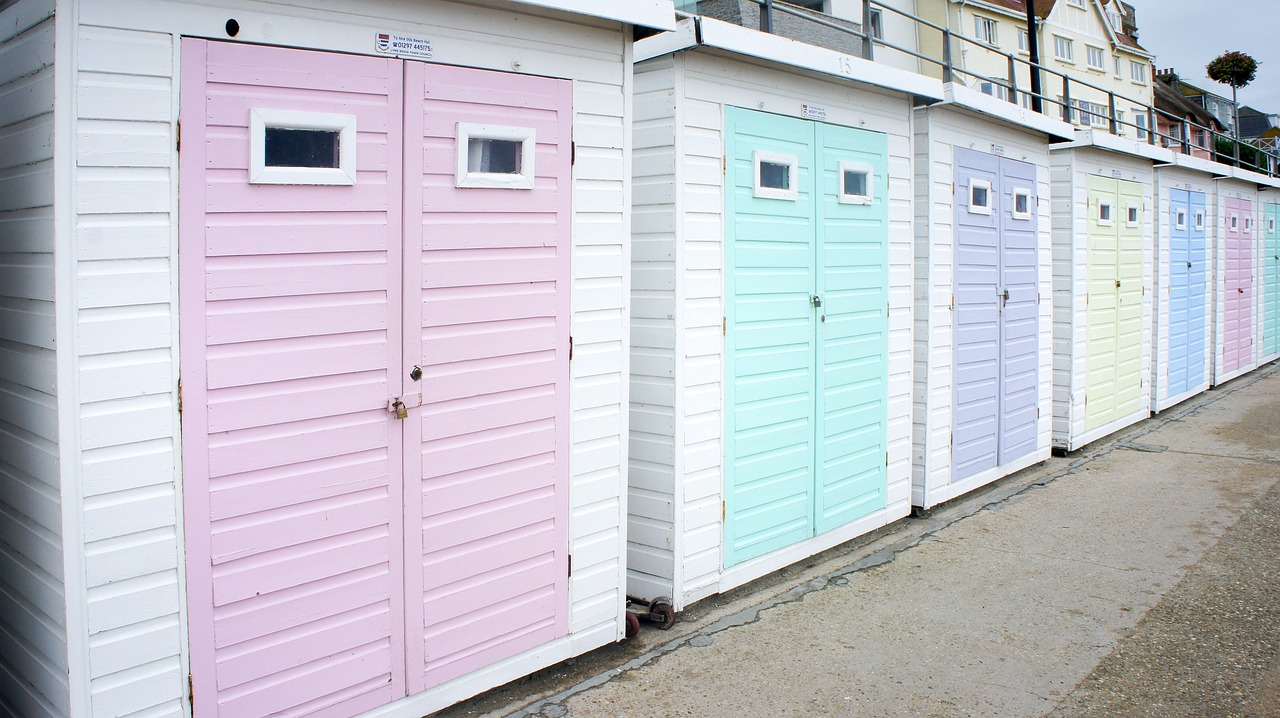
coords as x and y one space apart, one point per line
402 412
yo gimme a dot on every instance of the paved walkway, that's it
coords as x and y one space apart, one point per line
1138 577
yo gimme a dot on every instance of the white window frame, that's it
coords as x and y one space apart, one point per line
1248 224
1199 219
856 167
1138 72
1110 219
1025 193
974 207
345 125
526 136
1089 52
1076 3
1116 58
792 162
986 30
1060 43
1140 117
1135 212
1271 224
877 24
1180 218
1235 222
994 89
1024 40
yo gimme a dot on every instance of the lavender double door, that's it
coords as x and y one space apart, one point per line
374 325
996 313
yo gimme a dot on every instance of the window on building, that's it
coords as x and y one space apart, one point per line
1076 3
1141 119
1104 213
877 24
1024 41
1091 114
1096 58
1138 71
1116 21
1116 58
979 197
984 30
994 89
1062 49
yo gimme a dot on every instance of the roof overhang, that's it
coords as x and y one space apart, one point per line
657 14
703 32
958 95
1120 145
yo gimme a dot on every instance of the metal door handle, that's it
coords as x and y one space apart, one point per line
1240 289
1005 296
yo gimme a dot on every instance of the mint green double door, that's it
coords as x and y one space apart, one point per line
806 345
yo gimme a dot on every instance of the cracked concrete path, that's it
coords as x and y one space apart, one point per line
1103 583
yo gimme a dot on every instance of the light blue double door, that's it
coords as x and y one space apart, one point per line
806 346
1188 292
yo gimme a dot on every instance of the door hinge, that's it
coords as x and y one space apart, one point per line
570 347
724 511
179 395
573 153
724 326
724 164
886 458
177 143
953 301
570 565
191 690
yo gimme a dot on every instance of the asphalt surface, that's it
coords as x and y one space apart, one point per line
1136 577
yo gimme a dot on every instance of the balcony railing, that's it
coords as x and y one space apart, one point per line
1066 100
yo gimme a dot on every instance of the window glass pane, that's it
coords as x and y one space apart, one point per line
980 196
1180 219
284 147
855 183
775 176
1199 220
1104 212
1133 215
494 156
1022 203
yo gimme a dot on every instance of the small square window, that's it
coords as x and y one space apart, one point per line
1180 219
857 183
1235 223
979 196
1132 215
1271 224
1022 204
303 148
1105 215
1199 219
495 156
776 176
1248 224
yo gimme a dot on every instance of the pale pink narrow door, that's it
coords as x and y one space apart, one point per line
290 335
487 205
1237 342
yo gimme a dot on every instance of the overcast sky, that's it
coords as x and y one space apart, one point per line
1186 34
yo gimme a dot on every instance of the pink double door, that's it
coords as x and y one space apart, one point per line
374 326
1237 341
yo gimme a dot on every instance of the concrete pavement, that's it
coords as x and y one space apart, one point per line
1137 577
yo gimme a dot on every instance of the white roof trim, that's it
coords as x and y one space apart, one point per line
1120 145
1017 115
753 43
658 14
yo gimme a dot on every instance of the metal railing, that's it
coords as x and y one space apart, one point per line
1071 105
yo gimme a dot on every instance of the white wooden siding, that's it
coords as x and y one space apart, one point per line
1168 178
1069 172
124 246
938 132
653 461
33 627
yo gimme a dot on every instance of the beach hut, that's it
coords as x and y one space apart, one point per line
983 343
1103 197
771 336
313 324
1237 279
1269 222
1182 353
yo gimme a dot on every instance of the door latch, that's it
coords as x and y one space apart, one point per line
1005 296
817 300
1117 284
